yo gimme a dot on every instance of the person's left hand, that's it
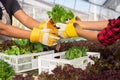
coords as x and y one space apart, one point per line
66 30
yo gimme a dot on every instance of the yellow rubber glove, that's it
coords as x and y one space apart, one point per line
38 35
49 25
76 18
67 30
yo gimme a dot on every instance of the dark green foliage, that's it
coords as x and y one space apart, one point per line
6 71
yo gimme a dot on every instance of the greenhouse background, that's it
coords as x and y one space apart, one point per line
87 10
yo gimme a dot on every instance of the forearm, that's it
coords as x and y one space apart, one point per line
12 31
93 25
25 19
30 23
90 35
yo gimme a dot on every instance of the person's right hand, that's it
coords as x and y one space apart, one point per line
46 38
49 26
66 30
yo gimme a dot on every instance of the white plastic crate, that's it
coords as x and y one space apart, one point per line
49 62
93 54
26 62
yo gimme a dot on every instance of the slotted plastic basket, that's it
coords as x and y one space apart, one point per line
49 62
26 62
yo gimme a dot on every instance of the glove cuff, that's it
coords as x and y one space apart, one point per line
34 35
43 25
73 20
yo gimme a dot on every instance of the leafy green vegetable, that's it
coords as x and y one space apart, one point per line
60 14
24 46
37 47
14 50
75 52
6 71
22 42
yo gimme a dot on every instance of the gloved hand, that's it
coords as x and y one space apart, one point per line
67 30
48 26
38 35
76 18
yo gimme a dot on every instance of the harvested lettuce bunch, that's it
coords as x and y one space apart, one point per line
75 52
60 14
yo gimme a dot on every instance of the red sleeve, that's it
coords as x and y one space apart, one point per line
111 33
